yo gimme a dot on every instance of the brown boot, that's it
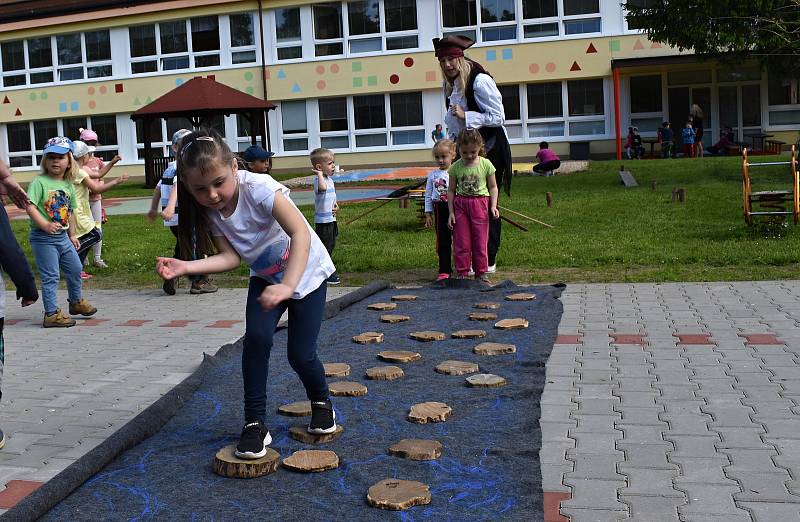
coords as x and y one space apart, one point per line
58 320
82 307
203 286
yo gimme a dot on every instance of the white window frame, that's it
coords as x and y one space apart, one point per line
786 107
327 41
298 135
159 57
227 48
305 20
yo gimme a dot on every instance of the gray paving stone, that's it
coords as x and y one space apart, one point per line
694 445
702 470
600 467
710 499
758 486
649 482
594 494
653 509
595 443
593 515
649 456
639 434
771 511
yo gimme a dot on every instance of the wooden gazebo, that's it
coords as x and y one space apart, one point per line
199 100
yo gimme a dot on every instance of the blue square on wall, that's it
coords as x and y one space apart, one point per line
491 55
508 54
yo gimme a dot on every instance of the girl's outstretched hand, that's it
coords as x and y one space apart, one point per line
451 221
170 268
273 295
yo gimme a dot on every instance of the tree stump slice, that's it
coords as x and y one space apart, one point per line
399 356
347 389
486 380
336 369
427 335
511 324
416 449
300 433
368 338
396 494
494 349
385 373
521 297
296 409
382 307
394 318
426 412
227 464
404 297
468 334
486 306
481 316
312 461
456 367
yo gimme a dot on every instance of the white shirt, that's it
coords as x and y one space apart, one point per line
260 240
436 188
488 98
324 201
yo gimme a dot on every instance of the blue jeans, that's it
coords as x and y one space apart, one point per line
53 252
305 318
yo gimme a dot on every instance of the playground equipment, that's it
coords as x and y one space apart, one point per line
770 203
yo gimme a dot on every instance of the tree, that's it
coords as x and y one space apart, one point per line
725 30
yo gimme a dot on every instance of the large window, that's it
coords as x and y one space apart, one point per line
26 139
646 94
288 34
294 124
243 39
333 123
783 100
328 31
60 58
178 44
502 20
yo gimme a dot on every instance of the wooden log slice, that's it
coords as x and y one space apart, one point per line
486 306
336 369
385 373
481 316
301 434
382 307
404 297
494 349
399 356
456 367
396 494
296 409
347 389
522 296
511 324
394 318
311 460
227 464
427 335
426 412
468 334
486 380
368 338
416 449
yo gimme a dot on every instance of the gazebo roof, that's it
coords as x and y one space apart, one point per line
202 95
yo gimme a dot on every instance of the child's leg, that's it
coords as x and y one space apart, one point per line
87 242
305 318
71 266
479 231
257 345
461 238
444 237
97 213
46 253
2 353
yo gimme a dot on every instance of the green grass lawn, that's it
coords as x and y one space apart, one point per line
603 232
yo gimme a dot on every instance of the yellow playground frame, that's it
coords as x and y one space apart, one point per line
771 202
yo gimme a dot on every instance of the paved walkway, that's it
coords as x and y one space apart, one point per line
674 402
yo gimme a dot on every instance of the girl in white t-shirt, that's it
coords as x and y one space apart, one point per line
230 215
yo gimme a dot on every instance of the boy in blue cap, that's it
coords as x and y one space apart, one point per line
258 159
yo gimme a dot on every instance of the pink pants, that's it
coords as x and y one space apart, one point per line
471 234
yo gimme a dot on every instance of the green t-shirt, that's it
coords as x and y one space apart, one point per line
84 222
471 181
55 199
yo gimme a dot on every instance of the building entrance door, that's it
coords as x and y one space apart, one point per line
740 109
680 101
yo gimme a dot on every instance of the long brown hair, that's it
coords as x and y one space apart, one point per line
204 151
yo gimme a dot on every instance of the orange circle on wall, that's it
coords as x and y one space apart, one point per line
550 67
320 69
334 68
92 104
533 68
103 89
90 90
321 85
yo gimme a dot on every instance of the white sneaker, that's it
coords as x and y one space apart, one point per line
492 269
471 272
100 263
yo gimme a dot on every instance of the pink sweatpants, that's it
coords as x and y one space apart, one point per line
471 234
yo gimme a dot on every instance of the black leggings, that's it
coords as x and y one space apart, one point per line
547 166
444 237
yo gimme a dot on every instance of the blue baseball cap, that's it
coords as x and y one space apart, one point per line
256 152
58 145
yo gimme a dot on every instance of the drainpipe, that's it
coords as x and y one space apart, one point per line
264 71
616 112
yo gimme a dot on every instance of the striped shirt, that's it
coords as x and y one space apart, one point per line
324 201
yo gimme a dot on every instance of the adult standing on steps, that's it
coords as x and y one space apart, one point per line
473 101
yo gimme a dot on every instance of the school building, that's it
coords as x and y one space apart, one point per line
360 76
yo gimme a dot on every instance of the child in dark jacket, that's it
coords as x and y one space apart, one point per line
12 262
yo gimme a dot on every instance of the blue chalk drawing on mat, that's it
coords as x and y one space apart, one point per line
62 107
491 55
507 54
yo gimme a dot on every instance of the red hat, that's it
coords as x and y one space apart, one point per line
451 46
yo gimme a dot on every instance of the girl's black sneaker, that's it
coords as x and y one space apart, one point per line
323 418
254 441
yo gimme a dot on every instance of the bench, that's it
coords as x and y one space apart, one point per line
773 146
